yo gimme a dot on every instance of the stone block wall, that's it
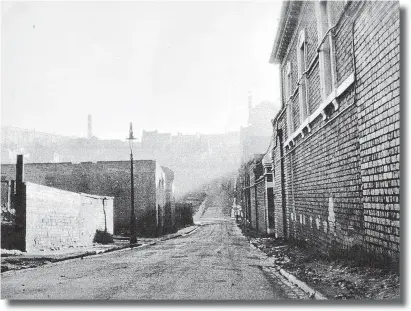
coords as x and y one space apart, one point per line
59 219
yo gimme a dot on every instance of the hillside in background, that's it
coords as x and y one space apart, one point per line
195 159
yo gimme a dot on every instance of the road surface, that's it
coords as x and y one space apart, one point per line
215 262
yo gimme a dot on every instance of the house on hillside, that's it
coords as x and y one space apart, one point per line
255 137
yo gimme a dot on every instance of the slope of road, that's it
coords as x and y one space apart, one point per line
214 263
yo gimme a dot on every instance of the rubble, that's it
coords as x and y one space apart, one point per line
336 279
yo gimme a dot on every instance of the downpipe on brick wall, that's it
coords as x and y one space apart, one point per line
353 18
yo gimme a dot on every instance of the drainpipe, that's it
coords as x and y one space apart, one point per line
283 201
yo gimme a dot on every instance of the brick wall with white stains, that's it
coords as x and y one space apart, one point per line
340 179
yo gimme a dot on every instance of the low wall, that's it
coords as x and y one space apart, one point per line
59 219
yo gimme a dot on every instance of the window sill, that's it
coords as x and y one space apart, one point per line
305 127
269 184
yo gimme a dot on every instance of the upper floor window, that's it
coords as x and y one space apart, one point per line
302 79
325 48
288 93
288 82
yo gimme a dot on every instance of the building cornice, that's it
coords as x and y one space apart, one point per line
290 12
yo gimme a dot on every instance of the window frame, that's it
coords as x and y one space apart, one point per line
302 77
323 29
288 93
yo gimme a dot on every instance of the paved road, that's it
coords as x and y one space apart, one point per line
214 262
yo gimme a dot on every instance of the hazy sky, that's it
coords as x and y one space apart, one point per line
175 67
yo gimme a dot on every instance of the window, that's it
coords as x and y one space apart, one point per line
325 49
288 82
302 79
289 86
288 93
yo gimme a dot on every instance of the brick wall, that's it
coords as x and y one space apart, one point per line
296 112
343 49
261 205
325 167
377 53
58 219
169 208
322 188
253 210
111 178
339 183
314 92
6 195
160 197
280 134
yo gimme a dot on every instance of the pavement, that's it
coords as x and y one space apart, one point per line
16 260
213 261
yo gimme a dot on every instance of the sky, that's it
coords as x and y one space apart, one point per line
169 66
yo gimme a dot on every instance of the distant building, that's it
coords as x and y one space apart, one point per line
255 138
154 140
195 159
250 174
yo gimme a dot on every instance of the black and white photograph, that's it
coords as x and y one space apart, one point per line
201 151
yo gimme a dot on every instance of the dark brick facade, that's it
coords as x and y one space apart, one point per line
154 198
377 51
336 170
261 207
256 193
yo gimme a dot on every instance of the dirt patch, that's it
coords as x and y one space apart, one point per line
335 279
23 264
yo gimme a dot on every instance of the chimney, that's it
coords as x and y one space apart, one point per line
20 205
19 171
250 105
250 100
90 127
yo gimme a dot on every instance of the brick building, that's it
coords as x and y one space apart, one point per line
153 188
255 137
45 218
169 221
335 155
255 192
